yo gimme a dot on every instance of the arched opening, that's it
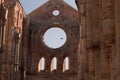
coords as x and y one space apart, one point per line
66 64
41 64
54 64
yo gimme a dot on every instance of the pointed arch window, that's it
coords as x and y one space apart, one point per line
41 64
54 64
66 64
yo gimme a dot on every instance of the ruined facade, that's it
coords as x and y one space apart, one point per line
11 17
92 45
41 20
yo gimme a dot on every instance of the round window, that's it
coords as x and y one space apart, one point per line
55 37
56 12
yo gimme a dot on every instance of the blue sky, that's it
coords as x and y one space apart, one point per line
55 37
30 5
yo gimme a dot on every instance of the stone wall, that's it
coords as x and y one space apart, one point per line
41 20
99 39
98 48
10 35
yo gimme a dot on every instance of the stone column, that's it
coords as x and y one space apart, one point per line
82 44
24 48
4 61
108 38
95 74
117 28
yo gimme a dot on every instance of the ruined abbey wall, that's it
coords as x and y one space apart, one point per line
98 49
99 39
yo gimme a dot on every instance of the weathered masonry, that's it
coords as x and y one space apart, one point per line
87 47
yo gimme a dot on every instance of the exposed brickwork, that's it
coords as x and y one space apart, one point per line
99 42
11 16
43 20
96 56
